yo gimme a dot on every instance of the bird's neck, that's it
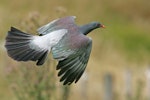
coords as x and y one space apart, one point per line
85 29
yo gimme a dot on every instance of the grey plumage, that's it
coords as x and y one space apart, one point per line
73 67
19 48
67 41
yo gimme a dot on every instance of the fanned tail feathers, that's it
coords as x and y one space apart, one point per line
19 47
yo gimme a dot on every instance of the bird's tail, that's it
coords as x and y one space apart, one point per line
19 46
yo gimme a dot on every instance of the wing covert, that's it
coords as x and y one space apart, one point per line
57 24
72 68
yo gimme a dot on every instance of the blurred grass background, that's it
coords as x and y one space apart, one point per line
124 44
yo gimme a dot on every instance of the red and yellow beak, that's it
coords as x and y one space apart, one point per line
102 26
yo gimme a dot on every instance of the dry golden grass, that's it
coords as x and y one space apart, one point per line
124 44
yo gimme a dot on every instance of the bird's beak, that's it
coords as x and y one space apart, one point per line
102 26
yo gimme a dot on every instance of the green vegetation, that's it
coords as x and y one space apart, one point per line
125 43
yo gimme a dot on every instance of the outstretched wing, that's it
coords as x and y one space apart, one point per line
57 24
75 60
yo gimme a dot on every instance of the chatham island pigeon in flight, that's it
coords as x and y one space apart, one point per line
67 41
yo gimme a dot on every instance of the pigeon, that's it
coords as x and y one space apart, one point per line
68 43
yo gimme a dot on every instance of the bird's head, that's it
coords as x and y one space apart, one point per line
85 29
97 25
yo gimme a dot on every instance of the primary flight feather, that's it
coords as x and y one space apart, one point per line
67 41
